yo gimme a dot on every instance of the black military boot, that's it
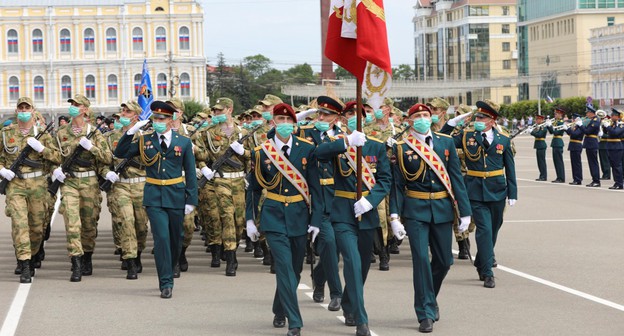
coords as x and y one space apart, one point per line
463 249
87 266
393 247
132 271
38 258
18 268
124 264
221 253
258 253
76 275
384 259
215 250
25 277
266 260
182 261
248 244
137 262
232 265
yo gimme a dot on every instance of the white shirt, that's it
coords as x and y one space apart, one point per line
167 137
422 137
489 135
280 144
330 132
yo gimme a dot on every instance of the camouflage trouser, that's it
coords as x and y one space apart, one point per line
383 208
189 228
125 202
461 236
111 199
81 202
209 213
231 202
27 206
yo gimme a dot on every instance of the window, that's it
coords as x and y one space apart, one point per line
38 88
12 42
161 39
185 85
137 39
161 81
65 41
37 41
111 40
184 38
506 46
606 3
137 84
505 29
159 9
479 11
506 99
610 21
506 64
13 88
505 10
90 87
66 87
89 40
112 87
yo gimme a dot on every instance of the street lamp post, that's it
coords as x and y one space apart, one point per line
173 80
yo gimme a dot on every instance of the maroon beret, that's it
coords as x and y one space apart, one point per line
284 109
418 108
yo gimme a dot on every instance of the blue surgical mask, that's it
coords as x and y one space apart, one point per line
435 118
218 119
255 123
117 125
369 118
391 120
267 115
159 127
379 114
460 123
285 129
175 116
422 125
322 126
24 116
125 121
479 126
352 123
302 123
74 111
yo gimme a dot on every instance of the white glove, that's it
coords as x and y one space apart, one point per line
86 143
135 128
237 147
314 230
511 202
35 144
600 134
112 176
579 122
464 222
398 229
548 123
361 207
252 231
390 142
208 173
565 127
357 139
454 121
188 208
7 174
58 174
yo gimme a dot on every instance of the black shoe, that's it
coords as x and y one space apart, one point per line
176 271
494 263
349 319
248 245
138 263
437 314
215 251
558 181
76 275
373 259
593 184
132 271
481 276
268 258
124 265
362 330
258 253
38 258
182 261
232 264
87 266
319 294
152 252
384 260
463 250
488 282
334 304
426 326
18 268
25 276
294 332
540 179
616 187
393 248
575 183
166 293
117 251
279 321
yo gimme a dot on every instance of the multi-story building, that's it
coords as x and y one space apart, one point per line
468 41
54 49
555 54
607 64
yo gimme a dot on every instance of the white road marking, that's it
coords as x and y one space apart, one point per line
563 220
15 311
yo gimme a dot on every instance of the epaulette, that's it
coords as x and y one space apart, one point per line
443 134
504 134
595 118
257 148
374 139
306 141
306 127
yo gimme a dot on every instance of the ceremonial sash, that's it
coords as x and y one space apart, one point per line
286 168
429 156
351 154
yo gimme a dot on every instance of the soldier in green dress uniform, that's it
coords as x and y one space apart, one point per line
539 133
557 143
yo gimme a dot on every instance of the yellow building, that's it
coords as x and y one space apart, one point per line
55 49
607 71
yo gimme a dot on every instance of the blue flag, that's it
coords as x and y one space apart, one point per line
145 97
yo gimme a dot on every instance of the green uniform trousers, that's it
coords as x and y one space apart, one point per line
557 153
541 163
168 233
488 217
326 269
605 165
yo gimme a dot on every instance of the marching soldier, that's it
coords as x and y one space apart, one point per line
438 108
539 133
327 267
490 180
427 185
575 147
603 152
168 195
356 221
286 167
267 103
557 143
26 195
82 200
613 131
590 144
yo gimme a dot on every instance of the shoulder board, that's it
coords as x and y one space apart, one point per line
442 134
504 134
306 127
306 141
595 118
374 139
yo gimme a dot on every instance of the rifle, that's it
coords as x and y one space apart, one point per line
16 165
226 158
69 162
400 134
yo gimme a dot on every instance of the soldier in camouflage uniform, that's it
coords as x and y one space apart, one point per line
438 108
26 195
125 199
230 185
81 199
115 229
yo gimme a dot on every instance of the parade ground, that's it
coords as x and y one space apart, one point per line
560 273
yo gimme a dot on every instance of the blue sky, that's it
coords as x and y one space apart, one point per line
288 31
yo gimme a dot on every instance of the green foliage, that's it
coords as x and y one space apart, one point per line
192 107
526 108
341 73
403 71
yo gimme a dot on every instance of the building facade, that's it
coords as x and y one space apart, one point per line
607 64
555 53
55 49
469 41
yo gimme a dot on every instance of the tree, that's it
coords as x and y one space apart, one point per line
341 73
300 74
192 107
257 65
403 71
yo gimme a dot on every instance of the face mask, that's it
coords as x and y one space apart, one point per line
405 124
175 116
285 129
322 126
379 114
461 123
479 126
435 118
369 118
74 111
206 123
24 116
217 119
124 121
160 127
267 115
352 123
246 126
117 125
391 120
302 123
255 123
422 125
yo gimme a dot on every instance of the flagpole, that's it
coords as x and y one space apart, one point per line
358 159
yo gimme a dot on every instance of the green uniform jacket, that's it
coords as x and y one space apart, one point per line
412 173
342 209
169 165
292 219
540 138
557 141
